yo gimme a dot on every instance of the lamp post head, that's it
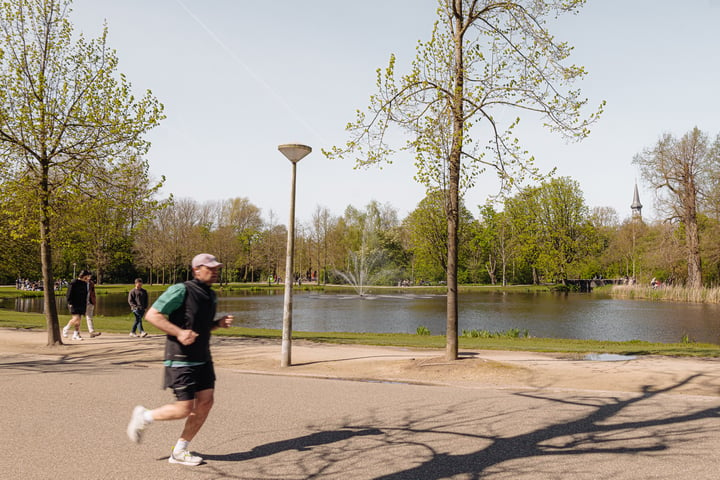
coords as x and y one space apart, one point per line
294 152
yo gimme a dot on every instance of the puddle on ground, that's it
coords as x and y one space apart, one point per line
608 357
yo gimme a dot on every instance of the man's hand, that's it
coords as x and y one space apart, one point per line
186 337
225 322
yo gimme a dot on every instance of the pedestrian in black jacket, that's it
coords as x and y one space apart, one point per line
138 300
77 298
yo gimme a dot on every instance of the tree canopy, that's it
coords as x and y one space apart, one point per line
68 120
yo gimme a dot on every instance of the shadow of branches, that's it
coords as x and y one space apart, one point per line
534 434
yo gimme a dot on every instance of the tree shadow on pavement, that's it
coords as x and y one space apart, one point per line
301 444
463 441
61 360
593 433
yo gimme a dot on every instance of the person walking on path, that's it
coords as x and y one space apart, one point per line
90 308
186 313
77 300
138 300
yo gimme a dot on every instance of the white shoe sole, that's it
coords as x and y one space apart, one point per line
180 462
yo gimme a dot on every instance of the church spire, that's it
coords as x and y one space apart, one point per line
636 205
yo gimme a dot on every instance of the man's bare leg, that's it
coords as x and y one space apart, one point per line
203 403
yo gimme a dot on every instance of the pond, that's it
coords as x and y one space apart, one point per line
576 315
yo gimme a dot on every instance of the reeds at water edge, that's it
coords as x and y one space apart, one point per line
669 293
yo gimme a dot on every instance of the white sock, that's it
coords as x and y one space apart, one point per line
147 417
181 445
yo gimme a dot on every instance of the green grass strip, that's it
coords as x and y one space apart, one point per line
122 324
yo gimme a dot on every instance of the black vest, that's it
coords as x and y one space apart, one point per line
196 313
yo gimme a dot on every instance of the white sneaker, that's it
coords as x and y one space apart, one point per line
132 335
76 336
184 457
65 332
143 334
137 424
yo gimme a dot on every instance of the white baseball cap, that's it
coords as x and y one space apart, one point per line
205 259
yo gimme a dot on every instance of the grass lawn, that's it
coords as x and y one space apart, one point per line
122 324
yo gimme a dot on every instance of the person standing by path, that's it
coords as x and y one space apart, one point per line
186 313
77 300
90 307
138 300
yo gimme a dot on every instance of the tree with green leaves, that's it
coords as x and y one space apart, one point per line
681 171
65 115
367 260
553 229
567 236
427 229
103 219
243 219
483 61
491 242
623 255
524 235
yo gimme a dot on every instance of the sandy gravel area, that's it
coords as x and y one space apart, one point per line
475 368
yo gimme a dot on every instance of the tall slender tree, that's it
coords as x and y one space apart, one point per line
65 113
320 229
484 59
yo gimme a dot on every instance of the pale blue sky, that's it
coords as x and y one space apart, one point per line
239 77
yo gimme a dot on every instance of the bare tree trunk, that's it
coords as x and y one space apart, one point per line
451 329
693 251
490 267
51 314
453 211
50 307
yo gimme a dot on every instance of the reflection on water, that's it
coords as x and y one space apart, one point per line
33 304
608 357
579 316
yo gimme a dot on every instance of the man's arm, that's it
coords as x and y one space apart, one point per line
157 318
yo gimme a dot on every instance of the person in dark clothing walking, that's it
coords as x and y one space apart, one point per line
138 300
186 313
77 298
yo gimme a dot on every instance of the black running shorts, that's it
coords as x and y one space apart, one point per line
186 381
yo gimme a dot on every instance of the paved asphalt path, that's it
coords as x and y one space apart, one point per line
67 419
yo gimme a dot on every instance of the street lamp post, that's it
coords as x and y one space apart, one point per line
294 153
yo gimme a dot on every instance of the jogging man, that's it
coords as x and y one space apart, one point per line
186 313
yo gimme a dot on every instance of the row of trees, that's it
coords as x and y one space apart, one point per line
542 234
